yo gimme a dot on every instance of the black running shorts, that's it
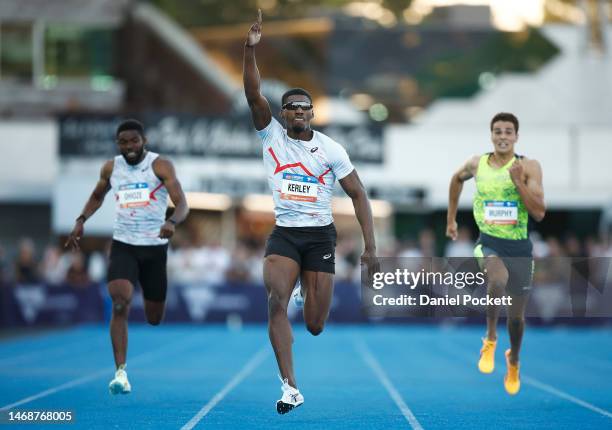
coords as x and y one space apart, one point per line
313 248
140 264
517 257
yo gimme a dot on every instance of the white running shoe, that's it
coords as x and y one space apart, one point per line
120 383
292 398
296 295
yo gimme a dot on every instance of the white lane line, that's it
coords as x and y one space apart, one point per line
251 365
530 381
53 390
384 380
552 390
83 379
46 353
39 353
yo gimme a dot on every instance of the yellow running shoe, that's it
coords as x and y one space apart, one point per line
486 364
512 380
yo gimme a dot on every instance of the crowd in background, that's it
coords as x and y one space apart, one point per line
210 264
52 265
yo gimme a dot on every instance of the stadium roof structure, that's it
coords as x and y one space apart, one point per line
150 62
186 47
110 12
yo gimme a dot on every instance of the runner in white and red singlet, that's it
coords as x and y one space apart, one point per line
302 166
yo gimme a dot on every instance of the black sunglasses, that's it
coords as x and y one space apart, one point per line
296 105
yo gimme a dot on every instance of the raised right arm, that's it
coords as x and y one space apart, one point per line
260 109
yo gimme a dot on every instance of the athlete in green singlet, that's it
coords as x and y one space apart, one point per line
508 190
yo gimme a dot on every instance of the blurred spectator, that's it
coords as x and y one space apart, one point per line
607 251
175 258
193 264
602 266
246 263
593 247
96 267
462 247
191 261
540 248
54 265
573 247
346 258
239 269
212 262
551 267
181 263
26 266
408 249
77 276
255 262
427 242
411 256
554 248
579 276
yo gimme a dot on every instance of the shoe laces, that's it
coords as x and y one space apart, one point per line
513 369
487 345
286 386
284 381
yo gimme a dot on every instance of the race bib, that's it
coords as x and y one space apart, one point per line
133 195
299 187
500 212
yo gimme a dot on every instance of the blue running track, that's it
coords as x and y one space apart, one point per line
352 377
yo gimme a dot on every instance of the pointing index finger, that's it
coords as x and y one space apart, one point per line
259 16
